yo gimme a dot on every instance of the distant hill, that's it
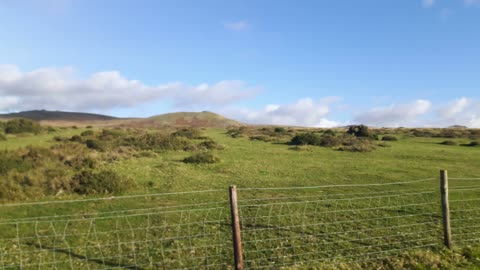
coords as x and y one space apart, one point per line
193 119
43 115
179 119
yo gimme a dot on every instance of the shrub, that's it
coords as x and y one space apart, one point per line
210 145
106 181
87 133
280 130
358 131
474 143
384 144
389 138
76 138
189 133
358 146
262 138
329 132
448 142
306 139
330 141
204 157
22 125
93 144
3 137
51 130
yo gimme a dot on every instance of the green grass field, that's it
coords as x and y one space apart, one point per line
343 227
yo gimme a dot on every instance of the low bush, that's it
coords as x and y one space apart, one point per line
384 145
22 125
103 182
189 133
76 138
279 130
306 139
473 144
359 131
210 145
204 157
87 133
94 144
448 142
389 138
357 145
262 138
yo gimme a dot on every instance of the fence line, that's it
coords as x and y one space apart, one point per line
193 230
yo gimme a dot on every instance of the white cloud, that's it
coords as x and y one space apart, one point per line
454 108
395 115
462 111
428 3
237 26
303 112
58 88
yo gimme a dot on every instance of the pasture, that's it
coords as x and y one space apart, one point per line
367 211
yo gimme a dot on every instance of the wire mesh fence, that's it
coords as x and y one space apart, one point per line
332 224
280 227
465 211
160 234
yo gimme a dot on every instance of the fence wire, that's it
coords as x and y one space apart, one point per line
280 227
465 211
146 233
336 224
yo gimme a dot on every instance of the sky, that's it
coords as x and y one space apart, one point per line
319 63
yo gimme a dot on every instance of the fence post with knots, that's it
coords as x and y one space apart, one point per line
447 232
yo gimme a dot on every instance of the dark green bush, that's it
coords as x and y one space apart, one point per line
93 144
22 125
330 141
359 131
280 130
389 138
306 139
87 133
204 157
473 144
103 182
448 142
76 138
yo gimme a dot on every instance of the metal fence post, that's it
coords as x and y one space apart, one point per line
447 232
237 240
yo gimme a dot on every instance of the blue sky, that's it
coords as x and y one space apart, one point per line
312 63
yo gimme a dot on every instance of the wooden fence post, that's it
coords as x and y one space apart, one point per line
237 240
447 233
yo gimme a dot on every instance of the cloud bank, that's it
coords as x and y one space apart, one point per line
59 89
303 112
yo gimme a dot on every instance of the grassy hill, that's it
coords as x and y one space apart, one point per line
194 119
43 115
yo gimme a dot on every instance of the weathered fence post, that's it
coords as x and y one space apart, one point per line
237 240
447 233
